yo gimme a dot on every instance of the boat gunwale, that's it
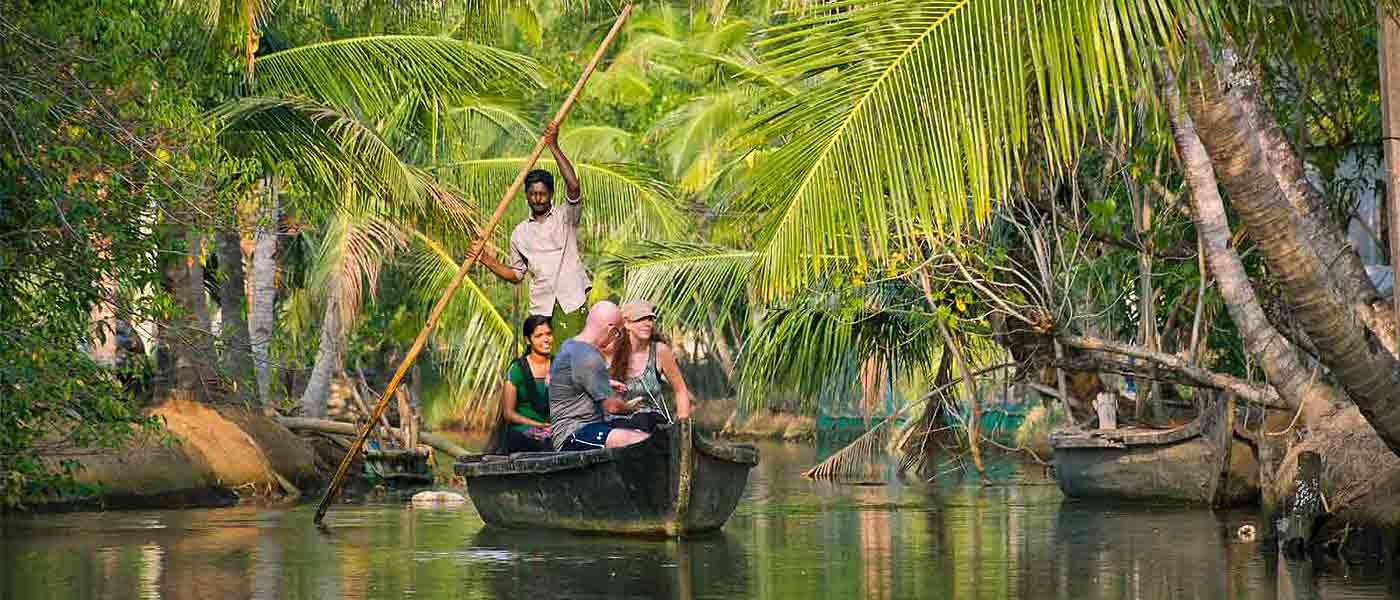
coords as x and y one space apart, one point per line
1124 437
539 463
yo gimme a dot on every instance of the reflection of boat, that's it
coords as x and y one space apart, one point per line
673 483
550 564
1147 552
1199 462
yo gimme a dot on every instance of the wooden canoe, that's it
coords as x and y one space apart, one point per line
676 482
1198 463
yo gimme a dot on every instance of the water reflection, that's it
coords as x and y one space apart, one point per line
790 538
529 566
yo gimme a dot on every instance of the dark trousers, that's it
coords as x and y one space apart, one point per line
519 442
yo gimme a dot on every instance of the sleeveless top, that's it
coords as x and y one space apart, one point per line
646 386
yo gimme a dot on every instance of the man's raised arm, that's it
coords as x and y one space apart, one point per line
566 168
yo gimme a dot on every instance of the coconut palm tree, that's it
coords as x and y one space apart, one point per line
323 113
924 117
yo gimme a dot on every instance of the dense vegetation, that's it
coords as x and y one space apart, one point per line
826 199
106 157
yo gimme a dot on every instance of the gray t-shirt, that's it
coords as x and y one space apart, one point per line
578 384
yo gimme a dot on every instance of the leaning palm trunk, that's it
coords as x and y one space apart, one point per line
1345 272
261 313
1356 358
313 398
1277 356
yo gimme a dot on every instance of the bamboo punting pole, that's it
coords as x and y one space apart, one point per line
339 480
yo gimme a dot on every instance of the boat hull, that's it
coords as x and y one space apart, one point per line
1199 463
671 484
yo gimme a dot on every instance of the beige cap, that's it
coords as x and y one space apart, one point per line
637 310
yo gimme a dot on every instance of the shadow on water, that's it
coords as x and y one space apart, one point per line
791 538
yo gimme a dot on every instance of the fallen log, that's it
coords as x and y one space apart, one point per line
340 428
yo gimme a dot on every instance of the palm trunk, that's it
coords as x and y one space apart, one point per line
1147 307
186 344
236 361
313 398
721 344
1389 33
1356 358
1278 357
261 315
1196 319
102 342
1345 272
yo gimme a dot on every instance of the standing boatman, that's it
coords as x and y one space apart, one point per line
544 247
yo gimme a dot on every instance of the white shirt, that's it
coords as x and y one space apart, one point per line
547 253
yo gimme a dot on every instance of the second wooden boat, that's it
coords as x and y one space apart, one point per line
1199 463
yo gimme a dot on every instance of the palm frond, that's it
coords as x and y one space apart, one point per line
620 86
858 461
745 69
474 128
328 151
824 339
397 13
925 108
374 74
349 260
488 18
698 136
343 161
473 337
596 143
527 21
229 14
686 281
727 36
615 194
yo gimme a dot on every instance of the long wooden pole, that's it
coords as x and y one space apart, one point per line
339 480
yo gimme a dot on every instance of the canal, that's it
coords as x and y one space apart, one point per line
790 539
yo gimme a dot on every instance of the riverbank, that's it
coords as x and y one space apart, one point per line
205 455
721 417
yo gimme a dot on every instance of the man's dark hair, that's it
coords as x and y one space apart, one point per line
539 176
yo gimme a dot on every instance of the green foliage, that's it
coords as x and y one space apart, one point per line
882 146
101 144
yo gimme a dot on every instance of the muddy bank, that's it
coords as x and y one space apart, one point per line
204 456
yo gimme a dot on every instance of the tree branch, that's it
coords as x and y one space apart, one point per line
1175 365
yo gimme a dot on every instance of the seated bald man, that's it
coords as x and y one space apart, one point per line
579 389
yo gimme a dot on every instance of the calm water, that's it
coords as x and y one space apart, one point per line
789 539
